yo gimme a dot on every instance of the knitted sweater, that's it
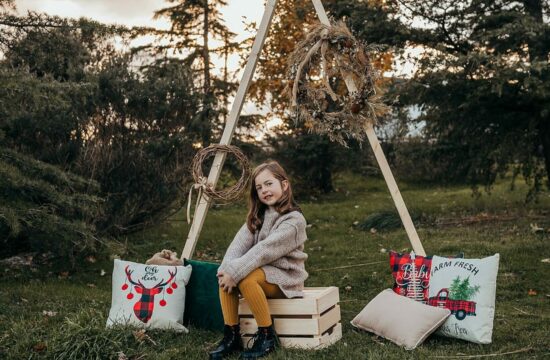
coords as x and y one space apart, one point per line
277 248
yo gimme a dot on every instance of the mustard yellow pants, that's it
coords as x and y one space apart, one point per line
256 290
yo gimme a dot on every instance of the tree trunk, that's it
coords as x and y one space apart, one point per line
534 9
206 96
544 136
205 50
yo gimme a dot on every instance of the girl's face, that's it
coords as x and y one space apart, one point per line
269 189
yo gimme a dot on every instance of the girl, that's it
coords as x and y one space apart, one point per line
264 260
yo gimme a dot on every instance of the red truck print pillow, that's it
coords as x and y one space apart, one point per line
467 287
148 296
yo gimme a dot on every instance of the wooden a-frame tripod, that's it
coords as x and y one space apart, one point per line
215 171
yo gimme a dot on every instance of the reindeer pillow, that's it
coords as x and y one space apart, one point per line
149 296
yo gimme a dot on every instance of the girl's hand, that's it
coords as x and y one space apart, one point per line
226 282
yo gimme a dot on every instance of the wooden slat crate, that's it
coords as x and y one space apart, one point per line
311 322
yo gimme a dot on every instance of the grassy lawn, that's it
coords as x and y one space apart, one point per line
56 312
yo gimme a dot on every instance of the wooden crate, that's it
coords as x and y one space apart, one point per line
311 322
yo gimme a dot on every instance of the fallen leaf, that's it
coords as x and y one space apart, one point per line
90 285
63 275
383 251
122 356
102 273
345 277
535 228
356 206
91 259
355 223
373 230
532 292
545 260
40 347
141 336
348 288
49 313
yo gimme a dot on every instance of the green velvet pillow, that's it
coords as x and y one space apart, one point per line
202 301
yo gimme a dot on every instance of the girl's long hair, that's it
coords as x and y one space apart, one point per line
256 209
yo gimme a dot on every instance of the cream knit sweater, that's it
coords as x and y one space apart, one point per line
277 248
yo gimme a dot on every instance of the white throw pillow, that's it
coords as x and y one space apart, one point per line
467 287
399 319
148 296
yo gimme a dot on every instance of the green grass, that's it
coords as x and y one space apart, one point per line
81 299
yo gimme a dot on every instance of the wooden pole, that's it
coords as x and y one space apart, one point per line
215 170
380 157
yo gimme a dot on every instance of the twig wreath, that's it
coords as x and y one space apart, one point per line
325 53
201 182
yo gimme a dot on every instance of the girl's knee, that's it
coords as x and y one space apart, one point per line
246 282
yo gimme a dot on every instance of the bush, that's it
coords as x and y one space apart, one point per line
44 208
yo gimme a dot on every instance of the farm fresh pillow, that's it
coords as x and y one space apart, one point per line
467 287
148 296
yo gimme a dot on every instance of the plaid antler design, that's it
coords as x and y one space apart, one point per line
144 307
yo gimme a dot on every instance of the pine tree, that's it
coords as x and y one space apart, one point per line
194 25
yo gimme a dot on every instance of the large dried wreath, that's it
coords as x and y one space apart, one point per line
316 87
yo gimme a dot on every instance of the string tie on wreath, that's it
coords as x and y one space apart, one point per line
201 186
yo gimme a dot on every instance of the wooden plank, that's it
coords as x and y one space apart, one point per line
215 170
314 302
312 326
327 299
312 343
305 306
381 158
328 319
